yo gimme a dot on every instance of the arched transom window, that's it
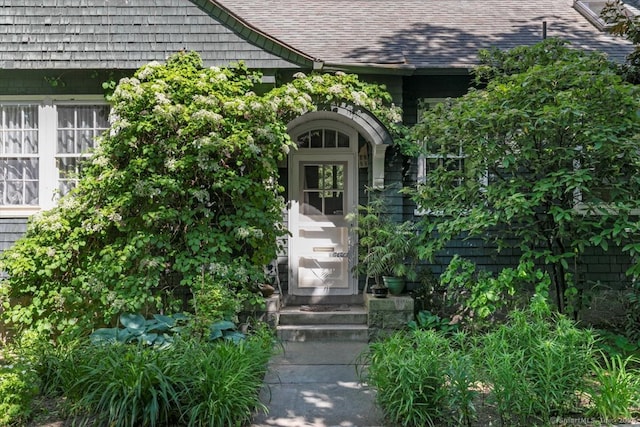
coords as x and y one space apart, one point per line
323 138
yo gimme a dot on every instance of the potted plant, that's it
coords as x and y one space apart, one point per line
386 250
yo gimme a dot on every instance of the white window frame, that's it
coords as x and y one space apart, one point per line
423 158
47 148
585 209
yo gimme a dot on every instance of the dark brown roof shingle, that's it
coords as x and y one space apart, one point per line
421 34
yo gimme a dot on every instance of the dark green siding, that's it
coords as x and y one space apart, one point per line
56 82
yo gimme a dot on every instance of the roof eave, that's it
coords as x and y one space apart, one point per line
395 69
254 35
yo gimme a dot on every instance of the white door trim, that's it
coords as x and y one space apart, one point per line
347 156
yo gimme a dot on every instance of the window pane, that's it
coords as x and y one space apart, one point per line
343 140
85 118
312 204
29 116
19 144
13 117
19 182
303 140
329 138
66 118
30 142
311 177
85 141
316 138
13 142
18 129
69 170
66 139
78 126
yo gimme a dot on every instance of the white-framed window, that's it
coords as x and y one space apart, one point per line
436 157
42 145
450 161
599 200
19 155
78 127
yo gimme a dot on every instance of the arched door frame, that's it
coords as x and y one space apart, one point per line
352 121
365 123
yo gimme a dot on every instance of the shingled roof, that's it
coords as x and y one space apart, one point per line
403 36
418 35
124 34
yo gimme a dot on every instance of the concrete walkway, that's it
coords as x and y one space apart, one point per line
315 384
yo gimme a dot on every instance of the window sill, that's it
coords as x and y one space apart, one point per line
585 209
18 211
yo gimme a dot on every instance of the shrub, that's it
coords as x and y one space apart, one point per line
537 363
18 387
184 180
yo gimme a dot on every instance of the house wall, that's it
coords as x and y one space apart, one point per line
11 229
601 275
56 82
602 270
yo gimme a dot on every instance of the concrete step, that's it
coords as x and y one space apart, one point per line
323 322
296 315
293 300
323 332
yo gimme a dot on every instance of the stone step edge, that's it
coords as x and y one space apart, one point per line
325 326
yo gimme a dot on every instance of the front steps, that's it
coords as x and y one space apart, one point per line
333 324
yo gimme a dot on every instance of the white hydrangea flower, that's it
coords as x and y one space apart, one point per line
161 98
359 97
336 89
170 164
218 77
148 70
299 75
256 106
101 161
115 217
274 104
395 114
207 115
291 90
208 101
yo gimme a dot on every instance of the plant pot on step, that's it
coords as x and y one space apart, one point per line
395 284
379 291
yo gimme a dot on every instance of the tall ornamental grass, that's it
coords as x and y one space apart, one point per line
191 383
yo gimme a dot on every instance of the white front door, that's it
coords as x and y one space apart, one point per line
321 246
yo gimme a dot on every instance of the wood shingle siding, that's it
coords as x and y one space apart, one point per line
117 34
11 229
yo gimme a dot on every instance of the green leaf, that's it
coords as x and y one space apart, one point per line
235 336
104 335
134 322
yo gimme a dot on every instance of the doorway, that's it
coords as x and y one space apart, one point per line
322 195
